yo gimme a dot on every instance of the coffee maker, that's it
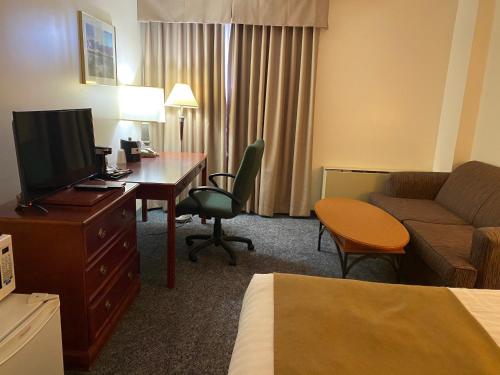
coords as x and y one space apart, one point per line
101 162
132 150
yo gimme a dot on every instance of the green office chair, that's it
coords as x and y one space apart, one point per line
214 202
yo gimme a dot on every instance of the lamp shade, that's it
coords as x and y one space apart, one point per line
181 96
141 104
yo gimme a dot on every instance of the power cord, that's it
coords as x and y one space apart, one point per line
180 222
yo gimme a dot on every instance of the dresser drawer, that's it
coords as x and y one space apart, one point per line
113 257
106 227
106 305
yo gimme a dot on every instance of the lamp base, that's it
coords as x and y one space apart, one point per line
181 123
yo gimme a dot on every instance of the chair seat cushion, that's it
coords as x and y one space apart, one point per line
215 204
424 210
445 249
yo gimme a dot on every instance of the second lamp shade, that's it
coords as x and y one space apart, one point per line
181 96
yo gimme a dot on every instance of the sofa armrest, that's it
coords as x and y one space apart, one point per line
485 257
415 185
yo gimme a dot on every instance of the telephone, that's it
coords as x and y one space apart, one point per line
148 152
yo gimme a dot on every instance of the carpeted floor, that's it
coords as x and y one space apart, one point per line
191 329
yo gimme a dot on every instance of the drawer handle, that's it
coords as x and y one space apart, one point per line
126 244
103 270
101 233
124 213
130 275
107 304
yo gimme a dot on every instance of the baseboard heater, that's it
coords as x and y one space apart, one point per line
352 183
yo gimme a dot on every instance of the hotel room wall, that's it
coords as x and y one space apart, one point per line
475 81
382 68
458 93
40 69
487 137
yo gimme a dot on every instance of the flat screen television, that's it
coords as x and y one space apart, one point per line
55 149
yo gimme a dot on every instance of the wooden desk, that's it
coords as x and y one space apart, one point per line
164 178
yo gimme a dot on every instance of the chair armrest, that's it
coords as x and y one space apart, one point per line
213 175
194 191
415 185
485 257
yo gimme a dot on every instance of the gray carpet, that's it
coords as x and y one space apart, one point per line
191 329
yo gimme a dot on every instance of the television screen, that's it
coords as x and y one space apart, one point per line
55 149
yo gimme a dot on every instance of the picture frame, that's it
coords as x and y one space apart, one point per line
97 50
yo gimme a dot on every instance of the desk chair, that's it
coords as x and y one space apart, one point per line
217 203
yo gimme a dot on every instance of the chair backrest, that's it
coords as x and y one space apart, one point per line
245 177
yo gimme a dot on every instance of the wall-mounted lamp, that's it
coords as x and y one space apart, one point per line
181 97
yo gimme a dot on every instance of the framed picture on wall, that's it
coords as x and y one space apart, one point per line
98 50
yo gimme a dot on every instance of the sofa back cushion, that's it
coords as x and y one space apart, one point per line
468 188
489 213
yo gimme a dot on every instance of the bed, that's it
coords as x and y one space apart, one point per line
254 347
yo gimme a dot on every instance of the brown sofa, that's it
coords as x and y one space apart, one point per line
454 224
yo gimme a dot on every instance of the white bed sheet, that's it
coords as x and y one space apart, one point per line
253 351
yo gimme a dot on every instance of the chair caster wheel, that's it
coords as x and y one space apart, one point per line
189 242
193 258
251 247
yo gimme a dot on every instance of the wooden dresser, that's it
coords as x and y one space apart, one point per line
87 255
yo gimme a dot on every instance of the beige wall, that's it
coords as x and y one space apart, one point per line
487 137
475 82
381 75
456 83
40 69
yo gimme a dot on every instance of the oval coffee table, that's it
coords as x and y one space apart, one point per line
359 228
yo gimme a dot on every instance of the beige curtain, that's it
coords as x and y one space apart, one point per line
192 54
281 12
250 12
272 75
185 11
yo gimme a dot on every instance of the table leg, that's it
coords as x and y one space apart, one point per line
204 183
171 239
343 263
342 258
321 230
144 210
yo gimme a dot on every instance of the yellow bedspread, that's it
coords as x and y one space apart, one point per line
332 326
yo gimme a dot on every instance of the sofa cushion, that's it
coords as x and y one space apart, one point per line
415 185
424 210
489 213
445 249
468 187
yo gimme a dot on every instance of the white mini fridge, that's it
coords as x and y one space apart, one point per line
30 335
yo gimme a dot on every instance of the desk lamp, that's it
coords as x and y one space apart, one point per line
143 105
181 97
